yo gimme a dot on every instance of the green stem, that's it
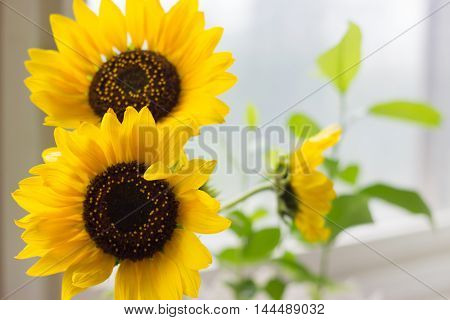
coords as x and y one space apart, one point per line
342 123
325 252
248 194
323 271
342 109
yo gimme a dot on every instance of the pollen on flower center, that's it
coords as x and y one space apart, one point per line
139 78
128 216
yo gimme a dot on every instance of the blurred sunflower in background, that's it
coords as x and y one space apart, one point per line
145 58
305 194
122 193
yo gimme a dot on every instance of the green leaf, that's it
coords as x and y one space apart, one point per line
341 63
348 211
258 214
241 224
419 113
406 199
252 115
261 244
275 288
231 256
302 125
299 272
244 289
331 166
349 174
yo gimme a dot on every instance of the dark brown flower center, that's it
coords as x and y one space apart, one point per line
290 200
128 216
138 79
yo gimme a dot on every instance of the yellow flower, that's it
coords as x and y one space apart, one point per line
147 57
308 194
122 193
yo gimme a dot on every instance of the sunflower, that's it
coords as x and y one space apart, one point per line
148 57
307 193
122 193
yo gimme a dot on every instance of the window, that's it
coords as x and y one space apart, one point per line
275 45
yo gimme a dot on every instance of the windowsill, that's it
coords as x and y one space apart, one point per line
373 265
370 266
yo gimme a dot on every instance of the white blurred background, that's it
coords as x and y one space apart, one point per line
275 44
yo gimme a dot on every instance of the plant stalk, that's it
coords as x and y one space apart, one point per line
248 194
323 271
342 122
325 252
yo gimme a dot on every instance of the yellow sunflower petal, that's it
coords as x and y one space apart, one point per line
56 179
159 279
30 252
60 259
91 24
202 47
44 82
39 208
315 189
178 25
83 152
53 232
184 246
165 278
158 171
213 111
146 118
74 44
110 128
113 25
198 213
312 226
327 137
193 175
68 290
127 281
57 182
50 154
32 220
135 17
95 269
309 155
211 68
146 137
34 196
220 83
50 64
130 118
190 279
171 140
75 106
154 14
183 43
98 146
136 138
315 192
147 290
